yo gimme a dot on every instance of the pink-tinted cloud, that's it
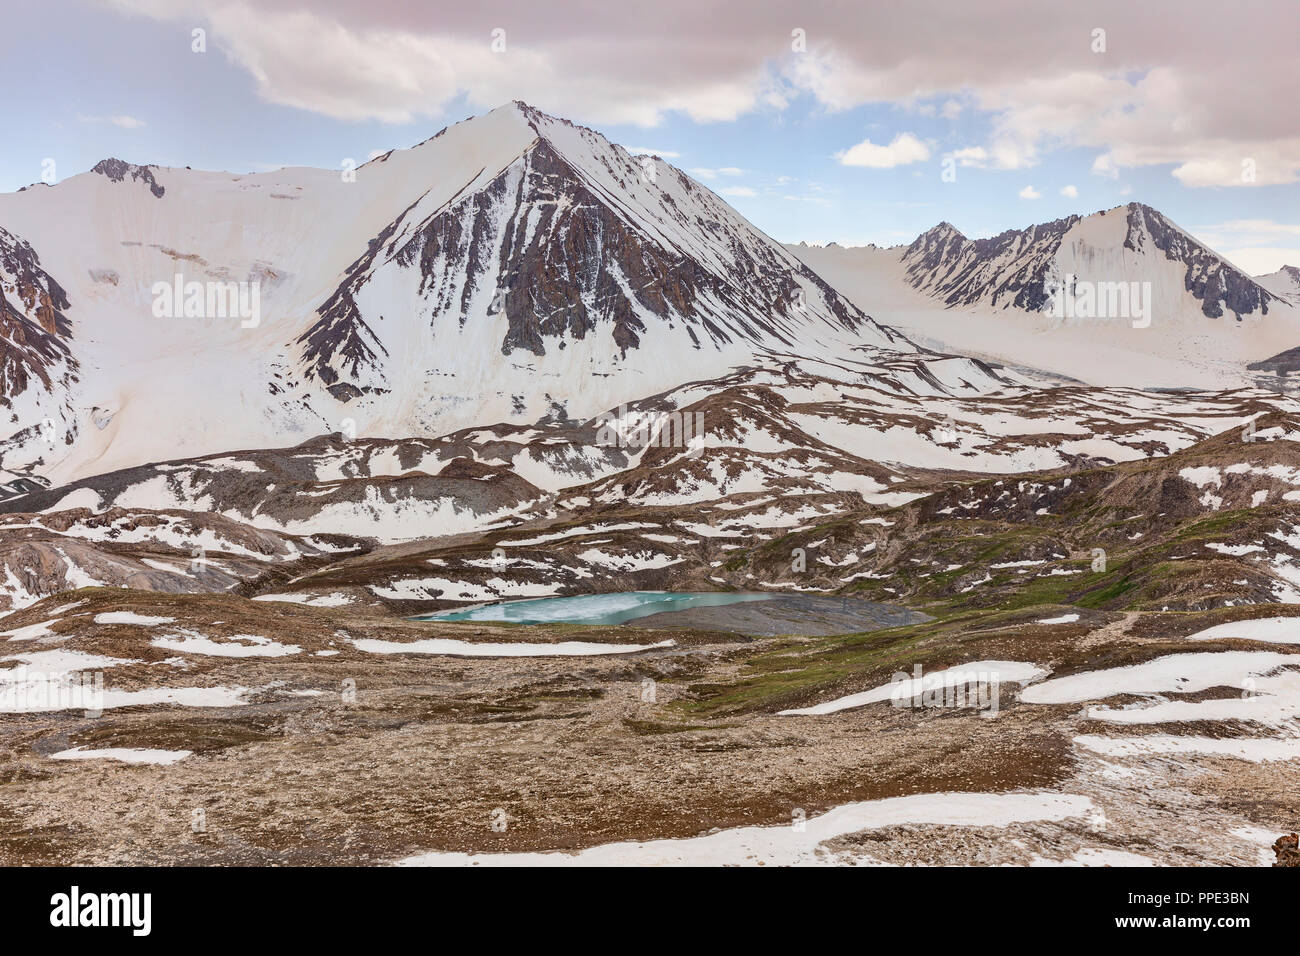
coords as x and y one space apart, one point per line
1195 84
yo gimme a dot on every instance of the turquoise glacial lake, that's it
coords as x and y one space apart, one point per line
615 608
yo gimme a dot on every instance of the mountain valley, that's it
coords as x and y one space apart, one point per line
472 378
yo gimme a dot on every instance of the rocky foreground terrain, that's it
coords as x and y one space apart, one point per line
1106 657
280 733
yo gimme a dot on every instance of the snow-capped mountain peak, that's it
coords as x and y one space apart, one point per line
1016 268
117 170
1284 283
1122 297
512 265
569 243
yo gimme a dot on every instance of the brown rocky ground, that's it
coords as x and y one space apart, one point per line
431 751
353 742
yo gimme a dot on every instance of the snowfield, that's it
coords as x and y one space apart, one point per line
791 845
960 676
457 648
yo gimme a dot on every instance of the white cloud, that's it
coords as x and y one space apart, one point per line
1029 192
1070 192
815 200
737 191
1267 167
1257 227
903 149
1257 246
392 62
970 156
650 151
704 172
120 120
1199 101
1104 165
1258 261
950 109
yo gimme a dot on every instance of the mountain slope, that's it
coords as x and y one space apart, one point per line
1284 283
511 266
783 444
1199 324
1017 267
37 369
570 260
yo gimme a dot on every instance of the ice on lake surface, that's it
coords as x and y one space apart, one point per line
613 608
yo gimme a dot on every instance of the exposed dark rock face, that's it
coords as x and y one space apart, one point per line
551 244
1013 268
22 486
117 170
1008 269
33 327
1282 362
342 339
1208 278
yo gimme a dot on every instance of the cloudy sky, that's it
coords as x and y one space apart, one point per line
855 122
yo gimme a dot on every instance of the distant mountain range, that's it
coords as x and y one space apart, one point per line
516 268
1284 283
425 381
512 266
1126 244
1187 316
